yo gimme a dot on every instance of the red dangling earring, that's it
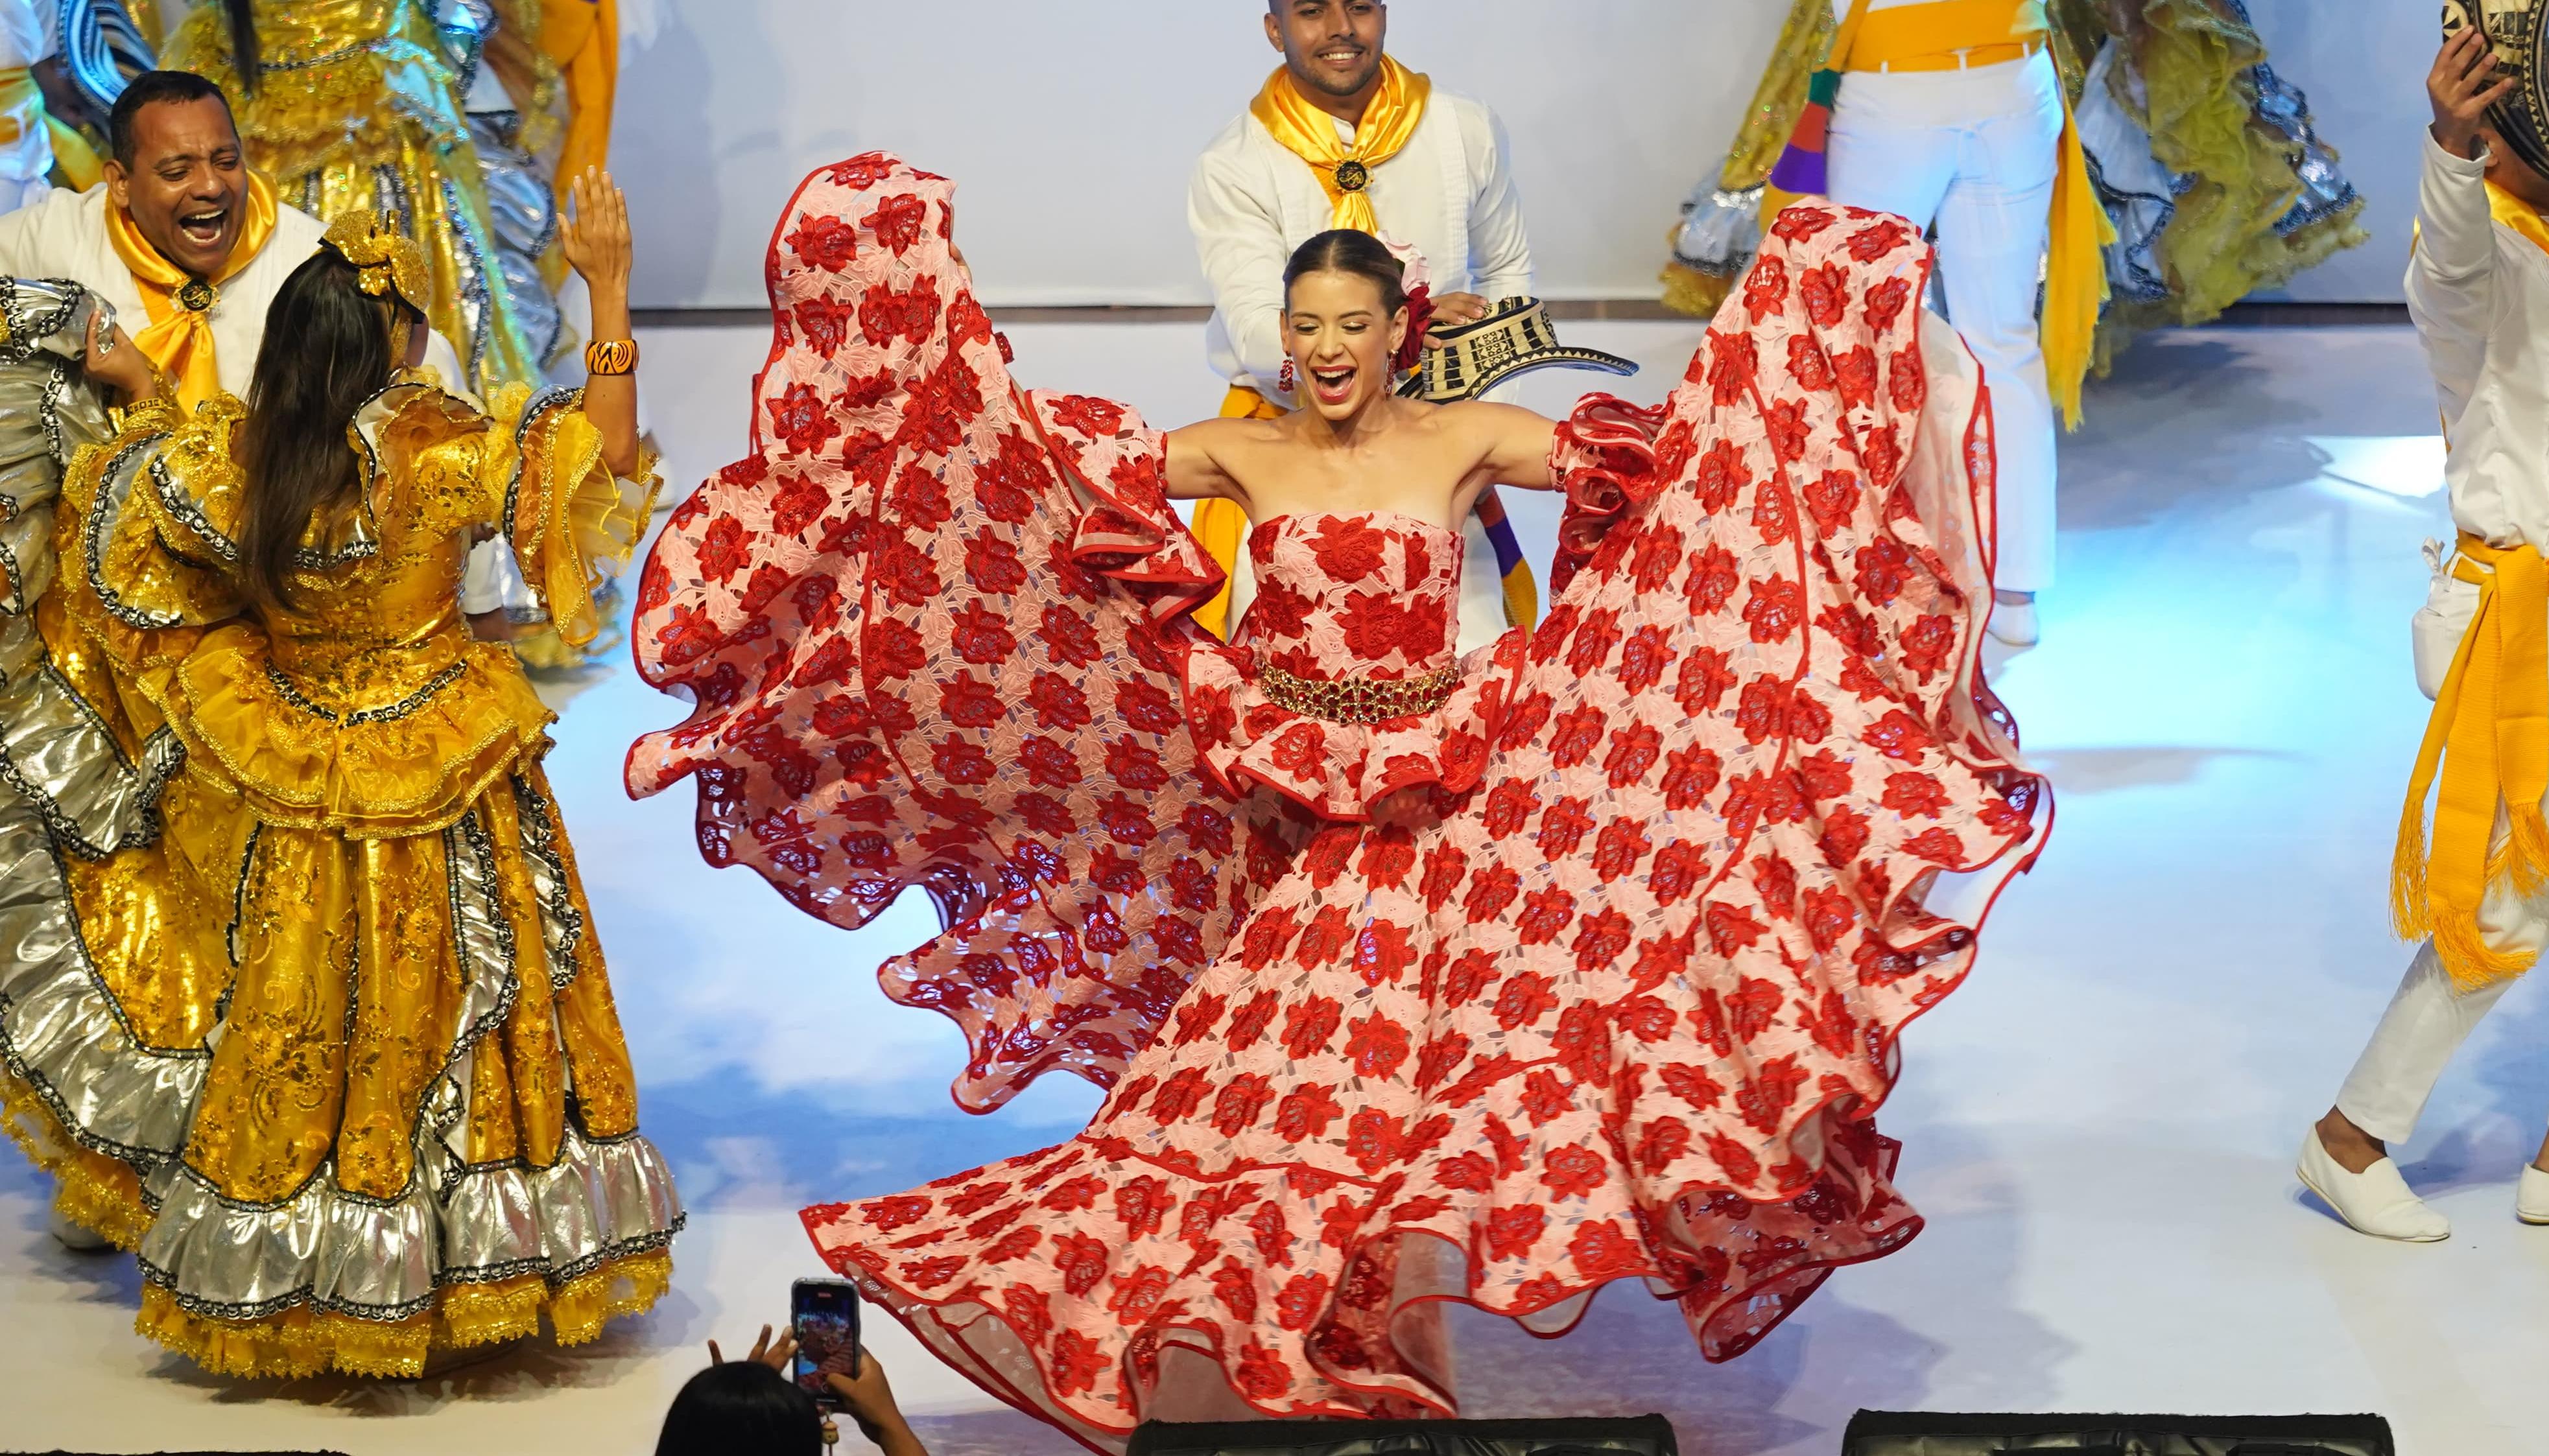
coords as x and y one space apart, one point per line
1290 380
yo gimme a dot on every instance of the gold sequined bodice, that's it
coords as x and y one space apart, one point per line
375 631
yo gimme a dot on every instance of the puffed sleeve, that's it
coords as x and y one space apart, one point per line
154 511
572 524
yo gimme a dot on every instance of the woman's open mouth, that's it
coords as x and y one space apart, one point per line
1334 386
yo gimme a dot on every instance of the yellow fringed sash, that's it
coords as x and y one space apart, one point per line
2488 742
1388 124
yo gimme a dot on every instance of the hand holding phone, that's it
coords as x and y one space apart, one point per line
823 1314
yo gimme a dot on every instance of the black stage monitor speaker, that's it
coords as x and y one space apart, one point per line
1897 1433
1643 1436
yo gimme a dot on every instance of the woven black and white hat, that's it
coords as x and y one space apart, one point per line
1515 338
2519 31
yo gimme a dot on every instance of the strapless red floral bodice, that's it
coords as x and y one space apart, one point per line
1341 687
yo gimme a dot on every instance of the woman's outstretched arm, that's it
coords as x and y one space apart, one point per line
1196 471
1514 444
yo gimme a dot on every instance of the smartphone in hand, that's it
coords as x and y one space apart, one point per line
824 1314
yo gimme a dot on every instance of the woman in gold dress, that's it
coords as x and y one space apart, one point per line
317 1024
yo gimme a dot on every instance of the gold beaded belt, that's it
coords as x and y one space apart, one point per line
1359 699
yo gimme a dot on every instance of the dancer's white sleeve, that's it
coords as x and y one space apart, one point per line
2451 276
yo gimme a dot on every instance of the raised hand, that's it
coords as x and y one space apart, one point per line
2463 84
595 237
775 1354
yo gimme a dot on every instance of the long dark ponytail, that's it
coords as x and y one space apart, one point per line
328 348
244 54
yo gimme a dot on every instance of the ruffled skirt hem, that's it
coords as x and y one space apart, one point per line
305 1341
1371 1339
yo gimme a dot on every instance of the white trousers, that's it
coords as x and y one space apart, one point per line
2430 1017
1976 152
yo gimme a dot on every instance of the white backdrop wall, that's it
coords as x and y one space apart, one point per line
1072 127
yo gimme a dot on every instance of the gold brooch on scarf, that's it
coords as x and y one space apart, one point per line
1353 176
388 259
196 296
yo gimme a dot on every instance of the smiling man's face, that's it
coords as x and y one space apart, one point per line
186 185
1332 48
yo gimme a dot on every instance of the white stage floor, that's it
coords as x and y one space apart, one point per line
2099 1127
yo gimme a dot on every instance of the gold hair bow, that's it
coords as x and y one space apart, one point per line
388 259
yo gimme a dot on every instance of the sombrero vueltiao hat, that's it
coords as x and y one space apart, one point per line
2519 31
1514 339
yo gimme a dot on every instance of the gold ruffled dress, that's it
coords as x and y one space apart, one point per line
317 1024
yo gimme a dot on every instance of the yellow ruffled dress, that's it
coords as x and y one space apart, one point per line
327 1039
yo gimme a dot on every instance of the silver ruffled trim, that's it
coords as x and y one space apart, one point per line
524 213
455 1222
1720 231
389 1261
56 751
62 1034
561 923
74 790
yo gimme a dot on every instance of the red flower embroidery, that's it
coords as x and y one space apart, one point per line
826 243
897 223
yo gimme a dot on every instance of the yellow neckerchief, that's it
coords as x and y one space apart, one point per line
1345 169
2519 215
179 340
2487 741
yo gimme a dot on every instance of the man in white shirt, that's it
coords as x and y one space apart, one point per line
1360 138
2478 288
187 245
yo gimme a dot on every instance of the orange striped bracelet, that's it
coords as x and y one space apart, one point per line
617 356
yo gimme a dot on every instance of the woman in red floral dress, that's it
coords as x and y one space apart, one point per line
1413 979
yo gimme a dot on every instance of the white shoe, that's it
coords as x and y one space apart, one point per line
2375 1201
2014 623
2532 1197
78 1239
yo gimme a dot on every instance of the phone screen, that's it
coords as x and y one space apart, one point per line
824 1314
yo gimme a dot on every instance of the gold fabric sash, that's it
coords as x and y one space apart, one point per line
1915 37
180 337
583 37
2487 741
2075 273
1345 168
